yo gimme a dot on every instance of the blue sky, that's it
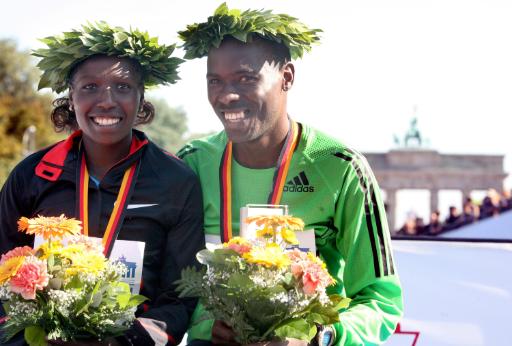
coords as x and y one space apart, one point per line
451 60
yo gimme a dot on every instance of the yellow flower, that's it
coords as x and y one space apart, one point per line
289 236
269 256
9 268
265 232
50 226
313 258
89 263
44 250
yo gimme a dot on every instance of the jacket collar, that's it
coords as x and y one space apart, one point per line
52 164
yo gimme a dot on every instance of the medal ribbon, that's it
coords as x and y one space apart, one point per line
280 173
116 217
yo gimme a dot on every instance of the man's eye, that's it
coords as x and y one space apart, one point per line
213 81
248 79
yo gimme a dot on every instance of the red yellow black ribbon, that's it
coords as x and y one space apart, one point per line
280 173
116 217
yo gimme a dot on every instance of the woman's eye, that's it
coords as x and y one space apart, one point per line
123 86
90 86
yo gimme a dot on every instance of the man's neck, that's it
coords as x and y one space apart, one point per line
101 157
264 151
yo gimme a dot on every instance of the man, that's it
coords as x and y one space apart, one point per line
263 156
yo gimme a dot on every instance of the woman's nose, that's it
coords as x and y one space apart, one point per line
107 98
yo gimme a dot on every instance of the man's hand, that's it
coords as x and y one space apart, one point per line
222 334
107 342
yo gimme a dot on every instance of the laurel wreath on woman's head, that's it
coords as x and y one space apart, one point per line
281 28
67 50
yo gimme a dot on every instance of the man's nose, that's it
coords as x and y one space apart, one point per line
228 95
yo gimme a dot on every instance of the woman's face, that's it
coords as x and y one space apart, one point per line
106 93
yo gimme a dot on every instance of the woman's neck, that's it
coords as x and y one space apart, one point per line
101 158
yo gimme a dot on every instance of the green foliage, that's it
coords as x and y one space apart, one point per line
35 336
70 48
297 328
281 28
259 303
190 284
168 127
20 106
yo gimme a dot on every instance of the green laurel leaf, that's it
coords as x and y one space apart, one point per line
199 38
65 51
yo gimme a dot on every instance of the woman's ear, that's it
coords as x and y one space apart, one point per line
70 97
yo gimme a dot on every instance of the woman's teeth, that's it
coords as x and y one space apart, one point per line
106 121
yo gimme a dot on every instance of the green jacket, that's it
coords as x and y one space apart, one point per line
332 188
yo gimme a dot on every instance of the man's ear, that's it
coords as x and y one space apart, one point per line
288 76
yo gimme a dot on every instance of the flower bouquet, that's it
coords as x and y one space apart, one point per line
262 289
66 292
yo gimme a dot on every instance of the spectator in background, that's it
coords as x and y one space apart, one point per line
409 227
453 220
434 227
420 226
470 212
490 204
506 201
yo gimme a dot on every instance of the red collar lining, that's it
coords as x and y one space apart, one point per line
50 166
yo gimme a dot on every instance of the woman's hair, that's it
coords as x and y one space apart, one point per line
63 115
63 118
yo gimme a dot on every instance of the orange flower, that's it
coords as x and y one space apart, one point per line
288 221
22 223
17 252
50 226
239 245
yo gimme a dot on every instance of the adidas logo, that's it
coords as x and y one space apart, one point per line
299 183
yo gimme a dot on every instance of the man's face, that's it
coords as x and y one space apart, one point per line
245 88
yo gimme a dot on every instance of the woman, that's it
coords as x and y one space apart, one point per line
108 174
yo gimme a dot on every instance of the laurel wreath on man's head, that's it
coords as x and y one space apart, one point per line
281 28
70 48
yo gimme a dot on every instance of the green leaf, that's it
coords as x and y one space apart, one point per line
296 328
339 302
136 300
199 38
190 284
35 336
51 261
123 300
120 37
239 283
78 45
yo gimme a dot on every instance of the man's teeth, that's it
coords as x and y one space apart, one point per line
106 121
231 116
